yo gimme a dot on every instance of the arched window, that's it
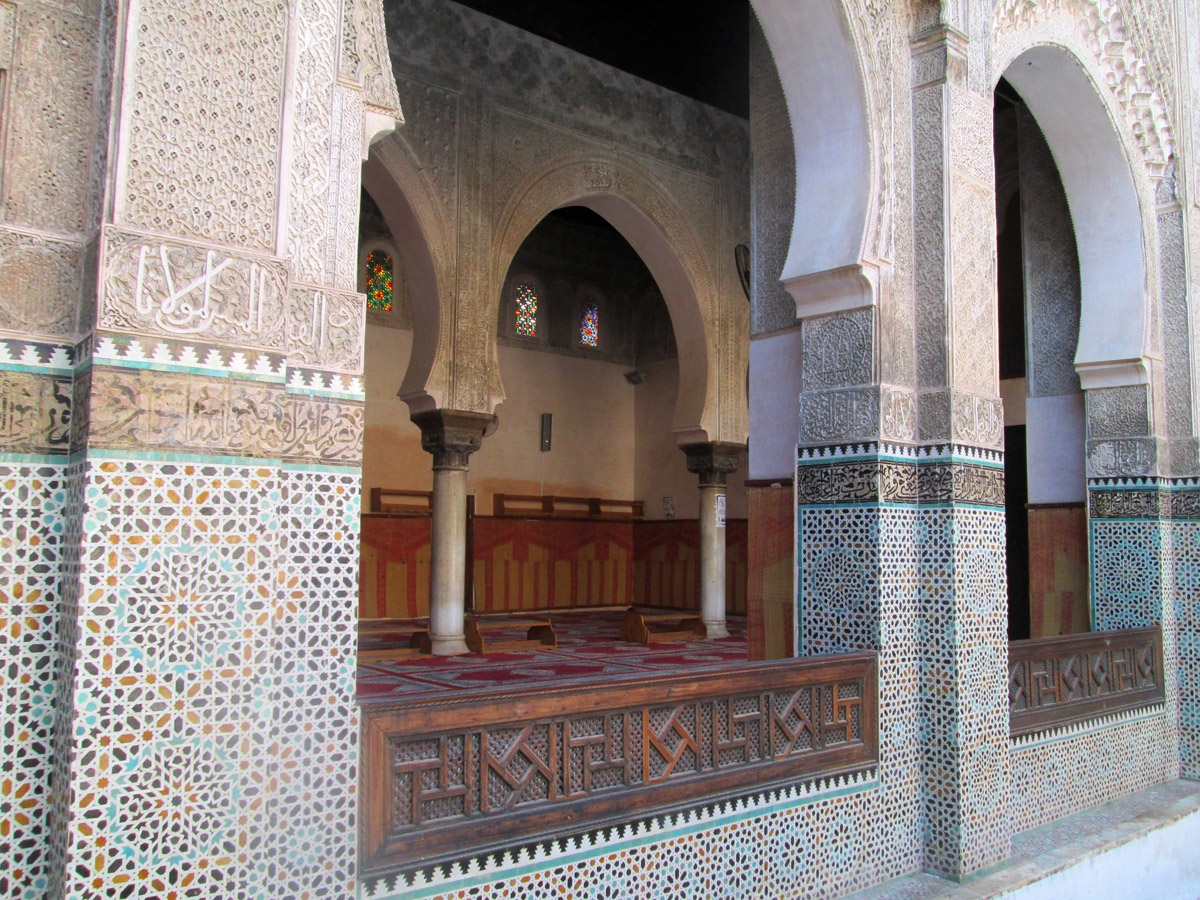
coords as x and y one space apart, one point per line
379 280
589 325
527 302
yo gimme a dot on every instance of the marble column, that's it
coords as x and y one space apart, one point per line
451 437
712 461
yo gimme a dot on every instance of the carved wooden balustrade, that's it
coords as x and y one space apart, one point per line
476 771
1064 680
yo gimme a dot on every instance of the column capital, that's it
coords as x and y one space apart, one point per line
451 435
712 460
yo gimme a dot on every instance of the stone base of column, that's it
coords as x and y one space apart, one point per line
715 630
453 645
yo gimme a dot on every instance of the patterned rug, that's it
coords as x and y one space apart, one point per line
589 647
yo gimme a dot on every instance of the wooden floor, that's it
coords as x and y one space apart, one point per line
589 646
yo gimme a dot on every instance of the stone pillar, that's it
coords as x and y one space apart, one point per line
962 605
712 461
451 436
211 511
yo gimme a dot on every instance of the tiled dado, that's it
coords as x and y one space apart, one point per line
214 732
1145 570
902 544
33 501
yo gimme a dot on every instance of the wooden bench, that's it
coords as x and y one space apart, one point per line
418 643
539 635
686 627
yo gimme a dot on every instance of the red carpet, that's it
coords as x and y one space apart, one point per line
588 647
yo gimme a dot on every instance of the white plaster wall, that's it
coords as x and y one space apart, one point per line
1163 865
1054 441
660 467
611 439
774 404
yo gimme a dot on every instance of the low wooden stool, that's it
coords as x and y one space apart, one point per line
539 635
636 627
418 640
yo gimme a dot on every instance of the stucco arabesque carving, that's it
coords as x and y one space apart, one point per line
1101 26
871 23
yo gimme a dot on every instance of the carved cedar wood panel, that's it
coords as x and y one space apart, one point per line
445 774
1064 680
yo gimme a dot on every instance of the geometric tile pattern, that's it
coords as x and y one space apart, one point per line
314 641
964 704
814 841
214 729
1072 769
902 550
32 539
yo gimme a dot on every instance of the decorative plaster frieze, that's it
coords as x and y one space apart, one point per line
192 291
35 413
325 329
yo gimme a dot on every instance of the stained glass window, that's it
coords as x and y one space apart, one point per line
589 326
526 310
379 280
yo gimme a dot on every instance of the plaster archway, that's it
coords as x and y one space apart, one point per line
1106 210
828 266
629 199
421 236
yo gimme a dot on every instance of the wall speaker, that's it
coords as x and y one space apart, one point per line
547 428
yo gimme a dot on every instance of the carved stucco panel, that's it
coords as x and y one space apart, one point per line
365 59
40 288
50 118
204 102
875 34
1119 412
176 289
933 410
313 162
1051 261
431 133
836 416
838 350
1176 321
973 266
899 411
929 235
322 430
1122 458
325 329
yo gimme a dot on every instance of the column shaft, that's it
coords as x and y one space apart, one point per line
712 561
449 551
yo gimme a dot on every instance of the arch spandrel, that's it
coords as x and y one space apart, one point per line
636 204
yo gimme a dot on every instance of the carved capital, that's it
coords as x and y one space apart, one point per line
712 460
451 436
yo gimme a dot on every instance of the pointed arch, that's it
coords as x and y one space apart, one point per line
631 200
1106 209
828 265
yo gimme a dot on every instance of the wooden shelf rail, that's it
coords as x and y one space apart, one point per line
401 502
535 506
489 769
1059 681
